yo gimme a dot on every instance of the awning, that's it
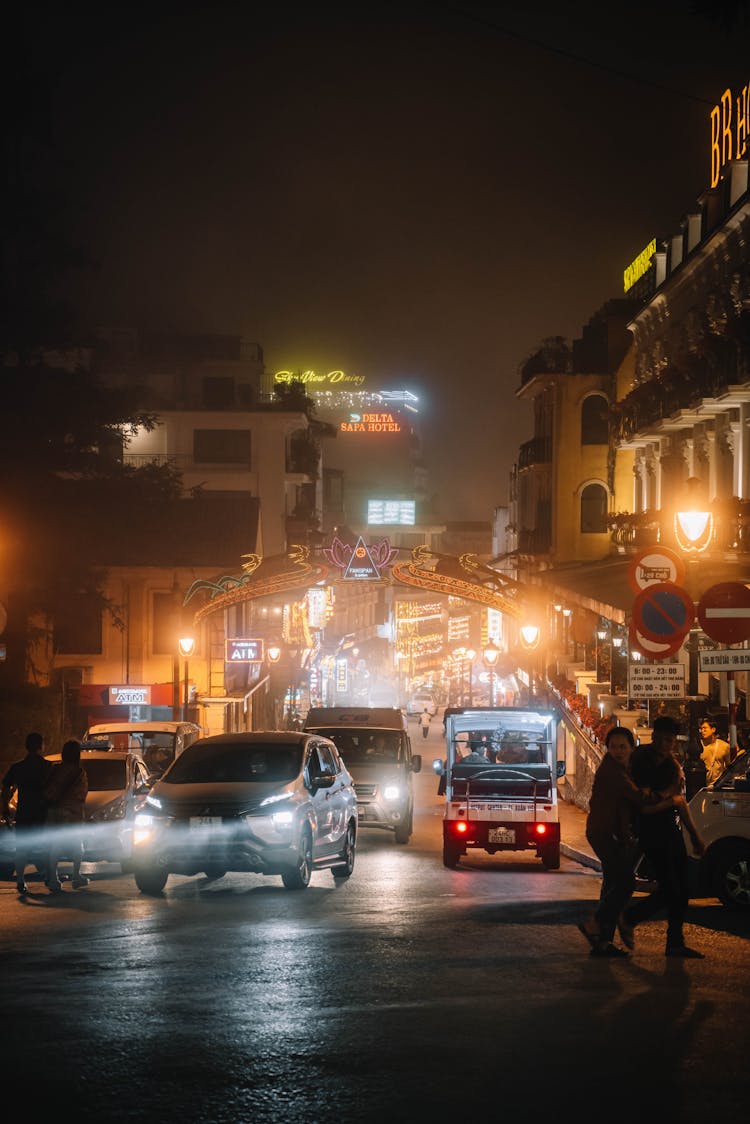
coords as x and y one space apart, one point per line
604 588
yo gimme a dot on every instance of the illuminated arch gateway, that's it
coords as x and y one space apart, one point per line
463 576
260 577
422 571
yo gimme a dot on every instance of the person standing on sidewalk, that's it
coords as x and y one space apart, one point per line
27 778
615 804
715 753
655 766
424 721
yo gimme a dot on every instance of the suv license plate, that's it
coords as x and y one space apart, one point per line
501 835
204 823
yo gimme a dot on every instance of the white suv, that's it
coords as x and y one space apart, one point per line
722 815
417 703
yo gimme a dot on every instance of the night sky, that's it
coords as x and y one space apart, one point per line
417 193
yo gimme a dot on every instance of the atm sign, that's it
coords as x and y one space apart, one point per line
244 651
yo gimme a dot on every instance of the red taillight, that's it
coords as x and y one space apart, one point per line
460 827
540 828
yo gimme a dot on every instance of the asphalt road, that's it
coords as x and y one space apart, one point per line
409 990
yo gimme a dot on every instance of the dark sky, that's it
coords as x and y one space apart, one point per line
418 193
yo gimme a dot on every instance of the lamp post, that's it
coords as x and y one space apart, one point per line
601 636
530 635
187 647
490 656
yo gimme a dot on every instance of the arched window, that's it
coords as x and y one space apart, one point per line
594 420
594 510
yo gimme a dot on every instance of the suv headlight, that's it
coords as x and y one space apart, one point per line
392 792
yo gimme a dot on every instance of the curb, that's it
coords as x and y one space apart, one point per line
580 857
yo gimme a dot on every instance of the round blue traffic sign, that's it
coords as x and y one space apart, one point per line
663 612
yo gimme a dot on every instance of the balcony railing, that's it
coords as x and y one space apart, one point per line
536 451
674 390
631 531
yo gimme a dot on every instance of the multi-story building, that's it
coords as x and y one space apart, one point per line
678 399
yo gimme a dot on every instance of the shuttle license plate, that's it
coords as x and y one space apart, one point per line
501 835
204 823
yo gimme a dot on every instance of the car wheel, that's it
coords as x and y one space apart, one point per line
214 872
345 868
551 857
451 856
299 877
404 830
730 875
150 880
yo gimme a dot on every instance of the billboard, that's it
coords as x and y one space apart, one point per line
401 513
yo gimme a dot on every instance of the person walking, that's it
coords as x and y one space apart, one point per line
66 792
656 767
715 753
27 778
424 721
614 806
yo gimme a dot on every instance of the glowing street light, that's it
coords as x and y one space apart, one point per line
186 644
490 655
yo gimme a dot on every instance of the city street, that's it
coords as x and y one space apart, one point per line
408 990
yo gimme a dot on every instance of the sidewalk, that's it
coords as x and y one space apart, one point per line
573 842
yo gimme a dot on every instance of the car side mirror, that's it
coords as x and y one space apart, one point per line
416 762
560 769
438 767
322 780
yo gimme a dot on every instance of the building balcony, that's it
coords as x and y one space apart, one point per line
631 531
536 451
680 395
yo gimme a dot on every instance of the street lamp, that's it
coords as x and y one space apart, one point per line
530 636
693 523
601 636
187 647
490 655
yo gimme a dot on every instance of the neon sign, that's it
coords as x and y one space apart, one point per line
639 265
332 378
730 126
371 423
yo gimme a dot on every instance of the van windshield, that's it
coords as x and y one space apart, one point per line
364 747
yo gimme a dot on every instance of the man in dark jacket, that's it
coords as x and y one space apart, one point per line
656 767
28 778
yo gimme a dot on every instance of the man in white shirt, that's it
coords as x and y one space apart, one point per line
715 754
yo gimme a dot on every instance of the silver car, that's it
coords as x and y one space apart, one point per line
267 803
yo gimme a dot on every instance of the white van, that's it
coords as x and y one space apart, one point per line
375 746
158 743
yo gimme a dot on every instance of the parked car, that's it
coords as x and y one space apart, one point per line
268 803
417 703
118 782
722 815
158 743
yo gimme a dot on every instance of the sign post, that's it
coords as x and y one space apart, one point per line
724 615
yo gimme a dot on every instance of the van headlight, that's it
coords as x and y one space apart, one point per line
392 792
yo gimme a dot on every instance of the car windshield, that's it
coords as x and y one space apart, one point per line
218 764
364 747
104 775
139 741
